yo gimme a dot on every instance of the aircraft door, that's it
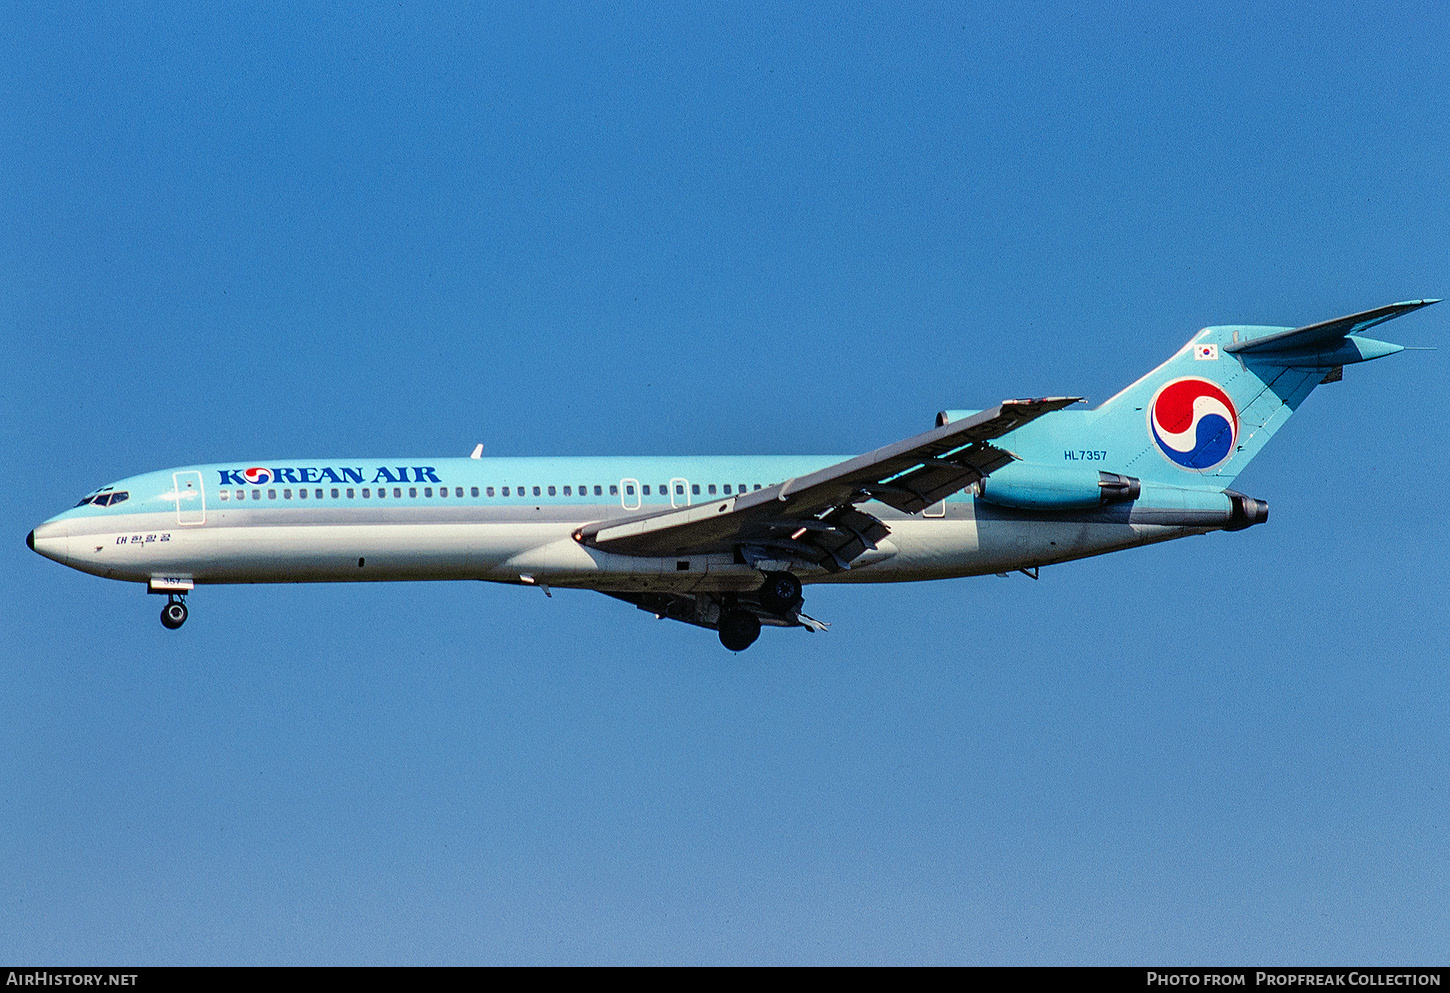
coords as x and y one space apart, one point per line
190 500
679 492
629 497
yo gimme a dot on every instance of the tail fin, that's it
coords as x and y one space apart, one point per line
1210 408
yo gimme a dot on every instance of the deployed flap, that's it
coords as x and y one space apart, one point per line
1326 333
810 517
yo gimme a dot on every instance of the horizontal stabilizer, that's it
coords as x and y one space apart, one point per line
1324 335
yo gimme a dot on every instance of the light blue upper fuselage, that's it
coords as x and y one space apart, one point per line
627 482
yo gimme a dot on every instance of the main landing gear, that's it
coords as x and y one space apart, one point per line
173 615
738 629
779 595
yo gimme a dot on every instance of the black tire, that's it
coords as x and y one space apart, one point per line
173 615
780 593
738 629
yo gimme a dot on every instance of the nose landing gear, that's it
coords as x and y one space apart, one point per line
173 615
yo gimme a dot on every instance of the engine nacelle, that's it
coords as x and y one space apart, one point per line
945 417
1245 511
1043 487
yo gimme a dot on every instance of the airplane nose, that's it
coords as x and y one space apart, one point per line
51 539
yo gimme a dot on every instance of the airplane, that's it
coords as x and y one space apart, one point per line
728 542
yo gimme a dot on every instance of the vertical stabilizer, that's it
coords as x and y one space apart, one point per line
1199 418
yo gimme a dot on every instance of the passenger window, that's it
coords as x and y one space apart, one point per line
679 489
382 492
695 488
645 488
566 491
757 486
256 494
710 489
398 493
287 494
241 494
223 494
727 489
629 491
428 491
366 493
302 494
584 490
536 491
613 489
553 491
271 494
350 492
598 491
505 491
489 491
412 492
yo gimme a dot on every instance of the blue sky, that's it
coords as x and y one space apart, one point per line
239 234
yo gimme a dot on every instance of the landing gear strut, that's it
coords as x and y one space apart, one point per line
780 593
738 629
173 615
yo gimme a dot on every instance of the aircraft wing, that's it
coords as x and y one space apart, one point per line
813 518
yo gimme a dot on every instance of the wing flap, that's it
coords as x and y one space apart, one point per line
938 478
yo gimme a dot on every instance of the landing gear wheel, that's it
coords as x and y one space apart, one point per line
780 593
738 629
173 615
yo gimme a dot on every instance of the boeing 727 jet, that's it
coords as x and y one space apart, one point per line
728 542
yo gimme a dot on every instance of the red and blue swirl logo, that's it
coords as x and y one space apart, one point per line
256 474
1194 423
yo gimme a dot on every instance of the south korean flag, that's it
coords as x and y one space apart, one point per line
1205 352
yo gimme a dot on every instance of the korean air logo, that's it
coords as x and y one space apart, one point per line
1193 423
257 475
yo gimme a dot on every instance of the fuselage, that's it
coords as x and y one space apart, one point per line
514 520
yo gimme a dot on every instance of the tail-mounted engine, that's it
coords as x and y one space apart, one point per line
1042 487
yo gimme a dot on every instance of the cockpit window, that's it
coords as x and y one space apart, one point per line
104 499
